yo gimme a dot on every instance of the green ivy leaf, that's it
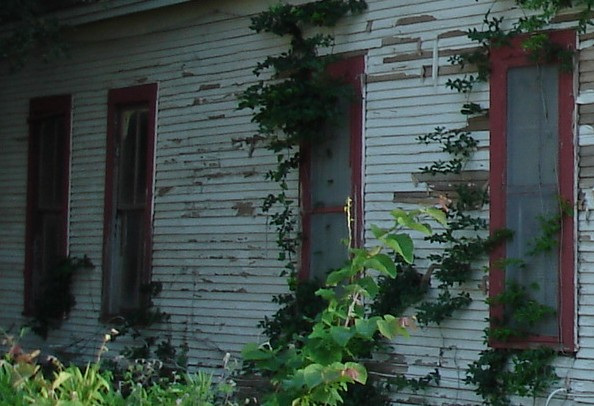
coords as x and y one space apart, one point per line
402 244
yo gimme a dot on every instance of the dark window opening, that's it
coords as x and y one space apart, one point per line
47 192
128 205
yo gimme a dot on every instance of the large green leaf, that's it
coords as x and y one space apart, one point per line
356 371
421 227
390 327
388 264
313 375
341 335
321 351
437 214
367 327
340 275
378 232
402 244
410 221
373 263
319 331
398 214
327 294
369 285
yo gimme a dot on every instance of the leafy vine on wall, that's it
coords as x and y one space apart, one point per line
499 373
289 109
300 98
55 299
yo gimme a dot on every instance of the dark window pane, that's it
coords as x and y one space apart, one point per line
328 251
131 201
127 158
133 150
46 246
126 254
130 257
50 133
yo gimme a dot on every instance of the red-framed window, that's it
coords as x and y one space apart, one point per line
127 242
531 172
47 190
330 173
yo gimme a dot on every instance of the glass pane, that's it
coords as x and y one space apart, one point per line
540 275
328 230
133 149
532 127
51 161
532 190
46 248
330 165
127 158
140 187
130 258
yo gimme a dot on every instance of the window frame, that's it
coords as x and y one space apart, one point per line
40 108
352 70
502 59
119 99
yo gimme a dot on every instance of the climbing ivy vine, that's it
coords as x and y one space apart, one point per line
300 98
297 99
498 373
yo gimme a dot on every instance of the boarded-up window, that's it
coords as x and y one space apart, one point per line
532 163
47 195
331 173
128 204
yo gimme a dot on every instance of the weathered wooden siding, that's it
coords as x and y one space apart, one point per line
214 250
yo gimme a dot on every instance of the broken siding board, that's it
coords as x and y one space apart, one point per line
450 120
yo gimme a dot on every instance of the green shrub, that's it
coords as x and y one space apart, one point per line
23 382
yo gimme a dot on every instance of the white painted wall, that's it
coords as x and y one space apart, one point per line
218 268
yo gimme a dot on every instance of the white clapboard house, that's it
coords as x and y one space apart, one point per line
128 150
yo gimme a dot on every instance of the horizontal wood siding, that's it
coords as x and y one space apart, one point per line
214 250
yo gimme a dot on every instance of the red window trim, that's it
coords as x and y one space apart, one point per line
117 98
40 108
351 70
501 60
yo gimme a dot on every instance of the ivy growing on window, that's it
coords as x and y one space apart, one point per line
293 103
300 98
56 299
